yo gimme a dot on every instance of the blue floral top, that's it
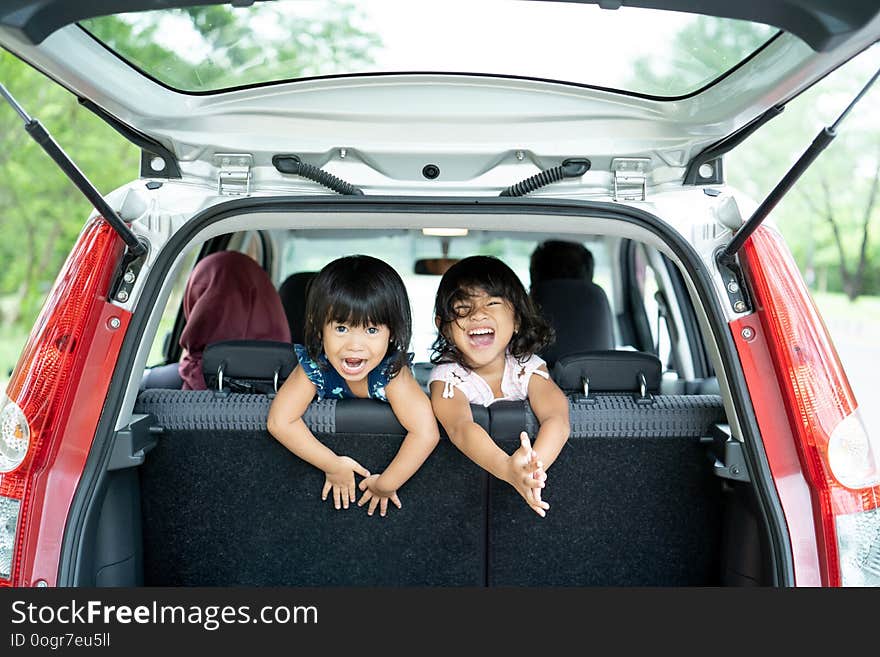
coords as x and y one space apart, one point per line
331 385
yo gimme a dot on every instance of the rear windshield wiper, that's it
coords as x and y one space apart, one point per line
40 135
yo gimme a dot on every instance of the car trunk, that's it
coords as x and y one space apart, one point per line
196 492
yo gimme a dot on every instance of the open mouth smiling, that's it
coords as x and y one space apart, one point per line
481 337
353 366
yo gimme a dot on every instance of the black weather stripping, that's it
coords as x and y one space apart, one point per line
571 168
40 135
292 164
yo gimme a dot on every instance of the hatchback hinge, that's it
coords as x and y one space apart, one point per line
630 178
233 173
734 284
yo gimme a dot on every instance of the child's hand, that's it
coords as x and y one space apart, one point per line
526 474
341 481
535 469
376 496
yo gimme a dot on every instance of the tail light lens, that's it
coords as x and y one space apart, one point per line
45 402
840 459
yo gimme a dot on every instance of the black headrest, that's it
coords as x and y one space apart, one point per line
608 371
253 366
293 292
579 313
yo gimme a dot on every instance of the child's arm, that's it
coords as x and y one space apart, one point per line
285 423
550 406
516 469
413 410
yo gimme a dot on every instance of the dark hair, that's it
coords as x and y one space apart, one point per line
359 290
559 259
496 279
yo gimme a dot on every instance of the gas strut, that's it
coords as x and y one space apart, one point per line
40 135
820 143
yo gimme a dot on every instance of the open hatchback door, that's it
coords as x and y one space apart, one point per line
714 436
645 111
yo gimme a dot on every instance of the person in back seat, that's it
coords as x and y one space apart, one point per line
555 259
562 286
228 296
358 328
485 349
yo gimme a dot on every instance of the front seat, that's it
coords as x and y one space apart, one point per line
293 293
579 313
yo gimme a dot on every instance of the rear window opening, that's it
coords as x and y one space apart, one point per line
208 49
640 494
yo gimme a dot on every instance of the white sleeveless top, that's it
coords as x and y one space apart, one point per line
514 381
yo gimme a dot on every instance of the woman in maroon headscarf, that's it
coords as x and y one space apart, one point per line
228 297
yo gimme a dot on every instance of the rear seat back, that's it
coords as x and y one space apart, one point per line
608 371
633 499
249 366
579 312
294 292
632 495
226 504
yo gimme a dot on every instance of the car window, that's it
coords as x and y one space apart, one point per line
305 252
165 331
247 242
656 307
204 49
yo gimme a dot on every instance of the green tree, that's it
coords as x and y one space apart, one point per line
225 51
41 212
827 218
702 49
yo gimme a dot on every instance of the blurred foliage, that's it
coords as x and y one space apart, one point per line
230 52
830 217
692 64
42 212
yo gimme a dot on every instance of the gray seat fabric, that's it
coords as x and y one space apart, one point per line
293 292
579 313
162 376
633 500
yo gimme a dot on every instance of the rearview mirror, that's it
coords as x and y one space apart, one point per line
433 266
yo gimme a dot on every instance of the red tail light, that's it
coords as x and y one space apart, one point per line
54 399
840 460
